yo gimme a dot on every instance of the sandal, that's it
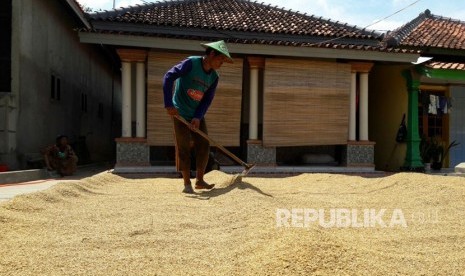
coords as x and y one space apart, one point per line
203 185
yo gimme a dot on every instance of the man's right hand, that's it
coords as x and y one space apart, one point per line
172 111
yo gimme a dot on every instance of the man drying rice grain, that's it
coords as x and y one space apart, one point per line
196 81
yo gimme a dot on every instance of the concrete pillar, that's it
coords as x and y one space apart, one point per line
353 107
255 63
363 68
126 99
361 152
133 151
256 152
128 56
363 104
140 100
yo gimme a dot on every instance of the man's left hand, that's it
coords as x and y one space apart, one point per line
195 123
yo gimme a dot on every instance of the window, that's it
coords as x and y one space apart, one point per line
55 88
5 45
432 123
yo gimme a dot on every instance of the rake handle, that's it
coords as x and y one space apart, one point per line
223 149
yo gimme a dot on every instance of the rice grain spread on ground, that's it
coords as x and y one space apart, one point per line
111 225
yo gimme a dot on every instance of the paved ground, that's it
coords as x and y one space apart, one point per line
8 191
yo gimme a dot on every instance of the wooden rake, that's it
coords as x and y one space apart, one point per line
247 167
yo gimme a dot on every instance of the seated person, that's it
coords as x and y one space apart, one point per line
61 157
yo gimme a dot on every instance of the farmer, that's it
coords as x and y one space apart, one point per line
196 81
61 157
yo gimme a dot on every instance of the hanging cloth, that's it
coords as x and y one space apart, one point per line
432 108
443 103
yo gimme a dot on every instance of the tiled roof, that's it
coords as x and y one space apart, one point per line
428 30
237 21
446 65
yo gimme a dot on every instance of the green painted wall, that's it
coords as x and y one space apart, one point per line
387 103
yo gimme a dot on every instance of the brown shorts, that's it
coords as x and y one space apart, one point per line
201 147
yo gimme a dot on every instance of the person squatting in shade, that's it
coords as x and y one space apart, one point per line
196 80
60 157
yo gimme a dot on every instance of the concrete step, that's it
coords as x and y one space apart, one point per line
22 176
170 171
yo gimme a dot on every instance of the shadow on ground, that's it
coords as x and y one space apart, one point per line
216 192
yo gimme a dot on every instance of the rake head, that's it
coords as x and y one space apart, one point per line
247 169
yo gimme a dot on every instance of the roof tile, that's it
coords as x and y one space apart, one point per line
446 65
233 20
428 30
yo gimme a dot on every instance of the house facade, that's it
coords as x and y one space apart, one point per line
431 93
52 84
297 93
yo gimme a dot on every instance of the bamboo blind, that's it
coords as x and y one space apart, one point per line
305 103
223 117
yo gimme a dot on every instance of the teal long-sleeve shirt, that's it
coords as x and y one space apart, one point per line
194 90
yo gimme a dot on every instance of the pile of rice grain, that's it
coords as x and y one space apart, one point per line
107 224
